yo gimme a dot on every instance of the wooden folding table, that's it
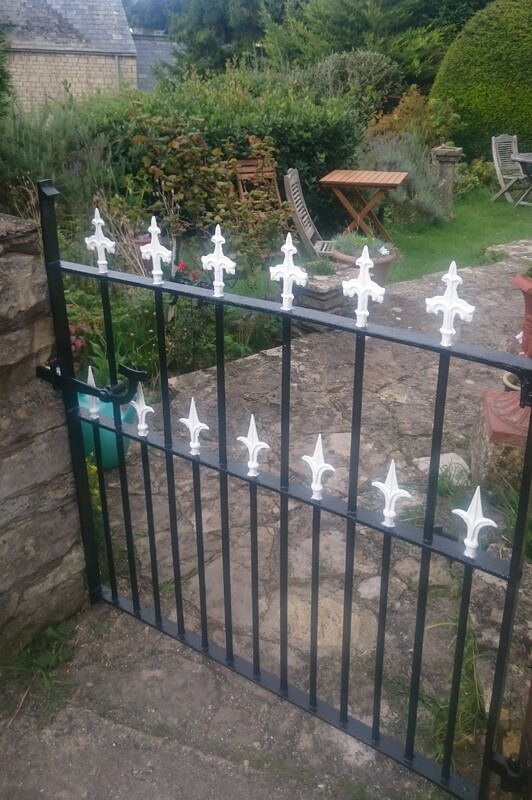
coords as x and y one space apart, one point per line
355 182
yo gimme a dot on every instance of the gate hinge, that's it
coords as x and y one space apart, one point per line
512 770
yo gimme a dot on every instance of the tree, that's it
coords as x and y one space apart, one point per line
213 31
415 33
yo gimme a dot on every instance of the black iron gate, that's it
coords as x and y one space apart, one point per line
425 542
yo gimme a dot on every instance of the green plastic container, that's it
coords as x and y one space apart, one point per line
107 438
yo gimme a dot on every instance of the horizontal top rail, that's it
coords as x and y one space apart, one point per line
468 352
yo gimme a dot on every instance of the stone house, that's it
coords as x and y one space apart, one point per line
53 44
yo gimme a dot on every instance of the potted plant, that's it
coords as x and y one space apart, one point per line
348 247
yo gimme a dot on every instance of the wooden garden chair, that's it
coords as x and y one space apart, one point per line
252 172
510 173
307 231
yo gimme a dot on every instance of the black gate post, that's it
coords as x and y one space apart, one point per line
47 195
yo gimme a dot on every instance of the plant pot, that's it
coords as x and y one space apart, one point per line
524 283
381 264
511 382
107 438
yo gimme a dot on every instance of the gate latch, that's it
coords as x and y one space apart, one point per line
119 393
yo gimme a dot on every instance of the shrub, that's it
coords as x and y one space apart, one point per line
312 134
360 73
432 120
418 197
486 72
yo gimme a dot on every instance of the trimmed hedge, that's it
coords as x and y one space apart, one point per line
486 72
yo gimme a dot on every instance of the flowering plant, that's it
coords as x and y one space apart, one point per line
352 244
183 274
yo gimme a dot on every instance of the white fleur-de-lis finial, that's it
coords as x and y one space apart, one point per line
93 401
156 251
195 427
392 493
218 263
100 243
475 520
288 273
365 287
450 305
318 466
142 410
254 446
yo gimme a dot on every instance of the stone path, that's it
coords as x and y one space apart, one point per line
149 717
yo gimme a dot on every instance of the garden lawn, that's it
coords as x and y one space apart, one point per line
477 224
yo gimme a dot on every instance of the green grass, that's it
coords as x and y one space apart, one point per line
37 669
478 223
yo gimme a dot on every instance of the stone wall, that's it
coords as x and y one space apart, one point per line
41 559
39 76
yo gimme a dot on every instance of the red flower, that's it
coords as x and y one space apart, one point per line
182 267
195 276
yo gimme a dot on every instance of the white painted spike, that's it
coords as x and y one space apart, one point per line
364 287
218 263
254 446
142 410
93 401
156 251
475 520
450 305
318 466
100 243
195 427
392 493
288 273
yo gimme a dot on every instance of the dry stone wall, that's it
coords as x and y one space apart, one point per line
41 560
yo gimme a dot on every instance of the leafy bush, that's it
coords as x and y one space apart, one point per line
418 196
476 175
486 72
431 120
360 73
312 134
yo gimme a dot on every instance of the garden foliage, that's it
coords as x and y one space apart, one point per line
486 72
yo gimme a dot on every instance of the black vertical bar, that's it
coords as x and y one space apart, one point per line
224 495
201 555
169 459
105 513
314 598
524 508
381 632
151 532
254 547
428 532
121 455
47 194
457 672
354 458
417 655
435 452
284 480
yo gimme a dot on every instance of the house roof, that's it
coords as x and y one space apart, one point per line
76 26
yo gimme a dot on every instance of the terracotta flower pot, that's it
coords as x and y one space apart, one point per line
524 283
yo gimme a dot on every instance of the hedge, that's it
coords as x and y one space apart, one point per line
486 72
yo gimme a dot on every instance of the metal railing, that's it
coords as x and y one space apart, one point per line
426 541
